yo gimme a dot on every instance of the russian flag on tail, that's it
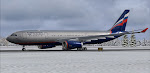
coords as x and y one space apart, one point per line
120 24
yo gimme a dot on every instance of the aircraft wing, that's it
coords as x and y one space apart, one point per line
96 37
138 31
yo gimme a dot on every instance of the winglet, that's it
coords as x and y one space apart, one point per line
144 30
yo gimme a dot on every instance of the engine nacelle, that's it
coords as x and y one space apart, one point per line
45 46
71 44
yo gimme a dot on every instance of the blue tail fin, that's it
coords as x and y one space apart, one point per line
120 24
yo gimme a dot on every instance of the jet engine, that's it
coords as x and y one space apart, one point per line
71 45
45 46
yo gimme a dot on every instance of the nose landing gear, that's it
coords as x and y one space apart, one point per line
23 49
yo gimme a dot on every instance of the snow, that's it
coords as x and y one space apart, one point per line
60 47
135 61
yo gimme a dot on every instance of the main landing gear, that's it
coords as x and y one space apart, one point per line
81 49
23 49
78 49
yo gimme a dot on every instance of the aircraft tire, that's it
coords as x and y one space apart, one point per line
78 49
23 49
81 49
84 48
64 49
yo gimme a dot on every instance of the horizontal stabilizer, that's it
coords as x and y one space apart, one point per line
138 31
144 30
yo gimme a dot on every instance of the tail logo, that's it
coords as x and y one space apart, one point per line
121 22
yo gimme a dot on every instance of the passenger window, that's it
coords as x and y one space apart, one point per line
14 35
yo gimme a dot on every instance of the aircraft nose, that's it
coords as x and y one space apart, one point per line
9 39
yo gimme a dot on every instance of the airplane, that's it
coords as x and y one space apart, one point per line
71 39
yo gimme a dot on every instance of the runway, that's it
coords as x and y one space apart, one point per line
111 59
58 49
105 50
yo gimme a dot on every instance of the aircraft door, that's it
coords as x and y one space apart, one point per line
24 36
46 36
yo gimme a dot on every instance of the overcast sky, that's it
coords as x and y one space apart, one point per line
17 15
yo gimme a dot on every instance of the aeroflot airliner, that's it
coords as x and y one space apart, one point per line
71 39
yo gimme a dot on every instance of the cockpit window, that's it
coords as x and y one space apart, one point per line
14 35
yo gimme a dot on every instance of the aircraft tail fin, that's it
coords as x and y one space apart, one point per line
120 24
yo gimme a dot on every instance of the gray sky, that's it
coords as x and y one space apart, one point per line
19 15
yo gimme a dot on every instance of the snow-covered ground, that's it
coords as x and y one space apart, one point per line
109 61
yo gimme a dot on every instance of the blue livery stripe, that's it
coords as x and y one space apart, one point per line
120 24
122 16
126 18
